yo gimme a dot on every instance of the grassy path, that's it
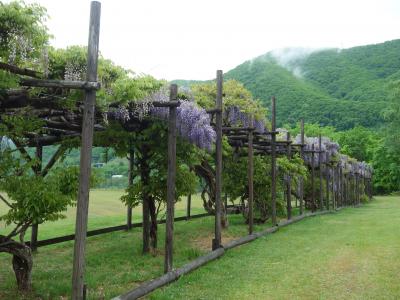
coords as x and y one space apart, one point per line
354 254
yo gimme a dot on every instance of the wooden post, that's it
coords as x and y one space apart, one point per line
313 178
327 179
86 155
130 183
357 188
339 185
321 192
301 182
342 198
250 173
38 172
144 177
218 163
289 180
351 189
273 161
332 176
188 206
169 224
345 199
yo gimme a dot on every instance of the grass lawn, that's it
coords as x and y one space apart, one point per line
105 209
114 261
352 254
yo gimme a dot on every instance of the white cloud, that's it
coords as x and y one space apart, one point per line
191 39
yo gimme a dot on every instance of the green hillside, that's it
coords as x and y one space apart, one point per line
342 88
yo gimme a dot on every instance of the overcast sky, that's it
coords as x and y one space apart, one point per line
191 39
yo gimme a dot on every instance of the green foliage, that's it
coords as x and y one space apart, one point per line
151 145
23 34
34 199
118 85
294 167
359 143
316 130
235 94
342 89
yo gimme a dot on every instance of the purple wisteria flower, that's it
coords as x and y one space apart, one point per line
236 117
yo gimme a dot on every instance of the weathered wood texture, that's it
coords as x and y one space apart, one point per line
168 262
273 162
218 164
321 191
312 178
301 181
131 176
86 155
99 231
250 174
289 181
188 206
169 277
84 85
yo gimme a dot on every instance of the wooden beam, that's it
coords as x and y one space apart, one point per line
250 175
218 164
65 84
273 161
150 286
86 155
321 192
289 182
188 206
327 180
301 181
169 238
20 71
313 178
171 103
131 176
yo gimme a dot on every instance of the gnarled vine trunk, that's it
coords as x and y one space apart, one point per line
205 171
153 224
145 178
21 261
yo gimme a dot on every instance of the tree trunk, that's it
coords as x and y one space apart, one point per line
22 263
205 171
153 224
145 178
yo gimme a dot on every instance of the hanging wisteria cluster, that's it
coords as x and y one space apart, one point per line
330 149
192 122
331 154
235 117
74 72
353 167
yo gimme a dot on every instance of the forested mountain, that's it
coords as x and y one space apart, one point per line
342 88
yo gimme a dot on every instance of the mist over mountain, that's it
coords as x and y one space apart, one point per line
338 87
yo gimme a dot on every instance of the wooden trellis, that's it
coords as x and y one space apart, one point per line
342 189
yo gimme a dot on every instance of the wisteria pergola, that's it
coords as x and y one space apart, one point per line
62 124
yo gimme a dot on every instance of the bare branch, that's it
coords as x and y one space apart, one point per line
5 201
60 151
20 71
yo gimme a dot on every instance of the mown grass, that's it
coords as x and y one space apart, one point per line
354 254
114 261
105 209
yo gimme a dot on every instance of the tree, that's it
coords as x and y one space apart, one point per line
31 200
